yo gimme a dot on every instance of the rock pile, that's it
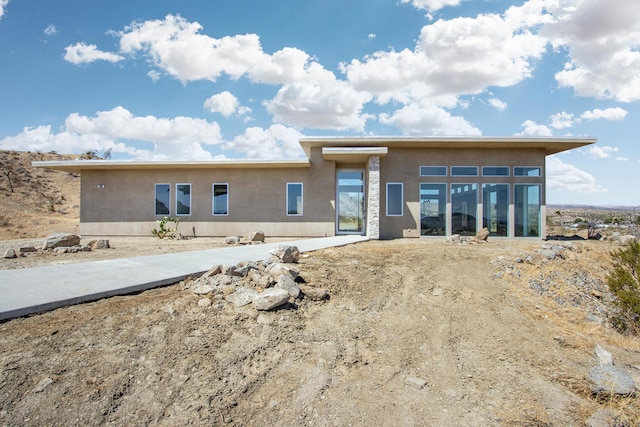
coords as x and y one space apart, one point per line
252 238
58 243
273 283
481 236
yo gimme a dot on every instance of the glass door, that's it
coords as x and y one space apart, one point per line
350 202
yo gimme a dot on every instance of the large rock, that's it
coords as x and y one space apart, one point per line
10 253
286 282
271 298
255 236
277 269
57 240
313 293
287 254
483 234
611 380
242 296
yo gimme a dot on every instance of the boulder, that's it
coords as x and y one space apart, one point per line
626 239
242 296
98 244
10 253
26 249
232 240
611 380
255 236
271 298
287 254
286 282
483 234
277 269
313 293
61 240
202 289
62 250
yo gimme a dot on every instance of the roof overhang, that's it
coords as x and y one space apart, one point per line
550 145
83 165
352 154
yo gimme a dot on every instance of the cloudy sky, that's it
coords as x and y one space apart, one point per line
246 78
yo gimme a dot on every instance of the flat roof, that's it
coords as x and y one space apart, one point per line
338 147
551 145
80 165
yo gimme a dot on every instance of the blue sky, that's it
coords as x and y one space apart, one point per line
245 79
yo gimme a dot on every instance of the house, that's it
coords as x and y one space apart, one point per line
381 187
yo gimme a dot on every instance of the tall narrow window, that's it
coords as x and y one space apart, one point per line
394 199
294 198
464 207
433 209
221 199
183 199
495 208
527 210
163 199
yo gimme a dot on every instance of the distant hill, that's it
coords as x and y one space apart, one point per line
594 207
36 202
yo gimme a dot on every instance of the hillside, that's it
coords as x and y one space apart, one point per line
36 202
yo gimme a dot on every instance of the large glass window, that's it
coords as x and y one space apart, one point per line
294 198
350 202
527 171
163 199
433 209
527 210
433 171
464 208
221 199
495 208
495 171
183 199
394 199
464 171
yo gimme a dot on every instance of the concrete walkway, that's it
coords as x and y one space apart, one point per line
34 290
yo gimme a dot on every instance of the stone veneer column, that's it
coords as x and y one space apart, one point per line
373 197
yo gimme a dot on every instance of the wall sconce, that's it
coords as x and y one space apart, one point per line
100 186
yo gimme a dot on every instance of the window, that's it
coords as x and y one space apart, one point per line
394 199
183 199
220 199
527 171
433 171
294 198
163 199
527 210
433 209
495 171
464 171
464 207
495 208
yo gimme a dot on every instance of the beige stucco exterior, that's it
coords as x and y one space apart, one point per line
118 198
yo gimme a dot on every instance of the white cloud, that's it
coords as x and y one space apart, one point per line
154 75
563 176
432 5
562 120
600 152
608 114
50 30
428 120
371 36
603 39
226 104
622 159
3 4
175 138
497 104
452 58
81 53
276 142
532 128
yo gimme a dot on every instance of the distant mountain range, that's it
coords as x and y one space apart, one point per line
594 207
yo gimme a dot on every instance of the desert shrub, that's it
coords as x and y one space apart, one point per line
624 283
165 229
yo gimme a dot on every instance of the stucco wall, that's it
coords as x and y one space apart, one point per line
403 165
123 201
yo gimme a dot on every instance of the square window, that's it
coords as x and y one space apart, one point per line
394 199
220 199
163 199
294 198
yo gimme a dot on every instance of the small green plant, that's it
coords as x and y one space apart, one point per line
165 229
624 282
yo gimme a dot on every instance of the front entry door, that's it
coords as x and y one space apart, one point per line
350 202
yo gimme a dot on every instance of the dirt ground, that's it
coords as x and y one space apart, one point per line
416 332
